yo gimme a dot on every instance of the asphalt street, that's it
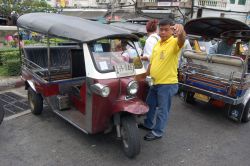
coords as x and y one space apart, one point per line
197 135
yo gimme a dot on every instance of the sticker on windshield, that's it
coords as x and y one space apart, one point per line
103 65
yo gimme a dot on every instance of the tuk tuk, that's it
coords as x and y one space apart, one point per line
88 81
137 29
216 77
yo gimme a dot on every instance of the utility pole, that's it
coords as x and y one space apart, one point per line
112 8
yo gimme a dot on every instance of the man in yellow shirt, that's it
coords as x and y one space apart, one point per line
163 70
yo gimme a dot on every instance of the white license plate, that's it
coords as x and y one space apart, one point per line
125 69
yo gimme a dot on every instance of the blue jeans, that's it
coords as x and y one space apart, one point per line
159 96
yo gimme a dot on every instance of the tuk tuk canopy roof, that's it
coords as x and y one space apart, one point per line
70 27
239 34
137 29
213 27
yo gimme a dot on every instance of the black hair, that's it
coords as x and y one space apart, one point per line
166 22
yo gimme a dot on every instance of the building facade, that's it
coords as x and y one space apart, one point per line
89 3
179 9
235 9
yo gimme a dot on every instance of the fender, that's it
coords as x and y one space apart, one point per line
246 97
240 107
32 85
133 106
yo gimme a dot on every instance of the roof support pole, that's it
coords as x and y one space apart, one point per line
48 52
19 47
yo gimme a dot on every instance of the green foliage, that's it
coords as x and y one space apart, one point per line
10 63
30 42
142 41
26 6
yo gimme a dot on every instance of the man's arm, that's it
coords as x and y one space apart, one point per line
148 70
180 33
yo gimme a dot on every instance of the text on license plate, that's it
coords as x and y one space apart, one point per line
201 97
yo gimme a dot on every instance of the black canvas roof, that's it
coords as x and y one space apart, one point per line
70 27
213 27
137 29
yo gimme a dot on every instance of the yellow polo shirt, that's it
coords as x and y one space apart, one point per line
164 61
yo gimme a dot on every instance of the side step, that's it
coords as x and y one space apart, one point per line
71 115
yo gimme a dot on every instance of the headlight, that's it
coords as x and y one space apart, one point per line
132 87
100 89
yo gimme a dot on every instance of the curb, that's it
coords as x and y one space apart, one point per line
5 85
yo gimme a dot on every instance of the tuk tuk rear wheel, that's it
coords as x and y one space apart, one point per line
35 101
1 115
189 97
246 113
130 136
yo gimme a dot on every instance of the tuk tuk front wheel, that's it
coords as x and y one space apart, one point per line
130 136
35 101
246 113
1 115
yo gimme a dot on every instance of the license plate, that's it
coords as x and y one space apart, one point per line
125 69
201 97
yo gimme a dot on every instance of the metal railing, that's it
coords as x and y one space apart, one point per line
34 68
213 3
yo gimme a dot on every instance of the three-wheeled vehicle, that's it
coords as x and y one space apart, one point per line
137 29
91 81
217 77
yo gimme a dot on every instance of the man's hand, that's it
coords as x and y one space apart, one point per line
180 33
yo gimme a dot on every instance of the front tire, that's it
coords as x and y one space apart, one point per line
130 136
35 101
1 115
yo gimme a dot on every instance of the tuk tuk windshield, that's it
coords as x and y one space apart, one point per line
107 53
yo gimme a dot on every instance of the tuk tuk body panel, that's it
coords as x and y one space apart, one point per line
215 86
118 101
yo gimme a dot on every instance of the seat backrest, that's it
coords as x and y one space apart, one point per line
216 64
60 56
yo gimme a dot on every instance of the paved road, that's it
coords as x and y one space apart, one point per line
197 135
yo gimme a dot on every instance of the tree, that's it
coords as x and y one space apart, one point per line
22 7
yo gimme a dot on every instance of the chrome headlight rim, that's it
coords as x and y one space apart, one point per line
100 89
105 91
132 87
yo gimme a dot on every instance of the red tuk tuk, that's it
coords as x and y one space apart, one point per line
87 81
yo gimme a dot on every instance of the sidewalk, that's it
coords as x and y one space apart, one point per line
10 82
